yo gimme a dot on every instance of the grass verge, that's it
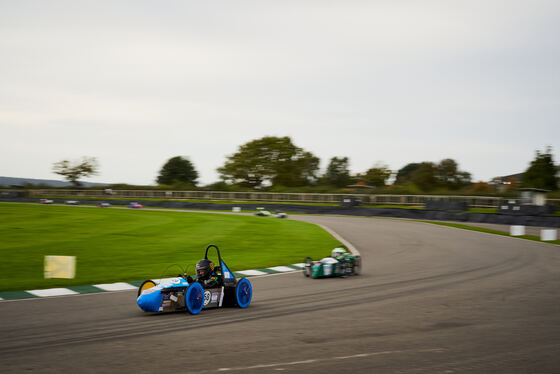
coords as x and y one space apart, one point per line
482 210
489 231
128 245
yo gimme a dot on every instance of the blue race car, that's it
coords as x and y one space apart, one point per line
215 287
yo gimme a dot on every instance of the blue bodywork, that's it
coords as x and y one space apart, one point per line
185 293
243 293
150 300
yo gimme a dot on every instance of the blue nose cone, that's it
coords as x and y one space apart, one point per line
150 302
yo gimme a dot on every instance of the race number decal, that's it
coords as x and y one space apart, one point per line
214 297
207 297
327 269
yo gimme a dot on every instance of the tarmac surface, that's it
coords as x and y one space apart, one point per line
430 299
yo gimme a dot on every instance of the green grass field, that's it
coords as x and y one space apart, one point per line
129 245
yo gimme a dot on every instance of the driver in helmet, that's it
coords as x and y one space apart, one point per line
205 273
338 253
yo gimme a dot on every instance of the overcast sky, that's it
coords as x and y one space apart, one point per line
134 83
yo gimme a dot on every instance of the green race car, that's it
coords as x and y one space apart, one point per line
339 264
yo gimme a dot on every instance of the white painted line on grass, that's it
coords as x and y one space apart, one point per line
282 269
299 265
52 292
119 286
251 272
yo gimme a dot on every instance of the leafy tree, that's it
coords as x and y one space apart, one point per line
404 174
446 171
177 170
217 186
541 172
338 173
449 175
271 160
74 170
428 175
425 176
377 175
481 188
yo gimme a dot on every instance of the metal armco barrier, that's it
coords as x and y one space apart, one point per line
365 199
369 199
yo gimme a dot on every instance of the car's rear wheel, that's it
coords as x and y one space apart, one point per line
145 285
308 267
243 293
194 298
357 266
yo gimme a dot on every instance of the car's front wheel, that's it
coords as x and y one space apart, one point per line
243 293
194 298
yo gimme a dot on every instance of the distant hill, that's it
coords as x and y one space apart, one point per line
9 181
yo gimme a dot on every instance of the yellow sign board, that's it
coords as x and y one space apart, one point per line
60 267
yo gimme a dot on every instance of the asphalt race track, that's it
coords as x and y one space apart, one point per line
430 299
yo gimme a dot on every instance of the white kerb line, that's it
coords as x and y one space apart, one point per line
346 243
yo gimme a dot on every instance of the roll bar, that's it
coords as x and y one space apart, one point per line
226 274
217 250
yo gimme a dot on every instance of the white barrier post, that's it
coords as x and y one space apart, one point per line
236 209
548 234
517 230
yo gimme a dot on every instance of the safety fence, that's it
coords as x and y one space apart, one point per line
365 199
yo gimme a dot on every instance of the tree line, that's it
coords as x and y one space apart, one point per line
275 163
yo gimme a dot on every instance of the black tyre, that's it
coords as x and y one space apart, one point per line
357 266
308 267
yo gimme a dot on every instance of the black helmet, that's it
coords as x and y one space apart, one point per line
204 268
